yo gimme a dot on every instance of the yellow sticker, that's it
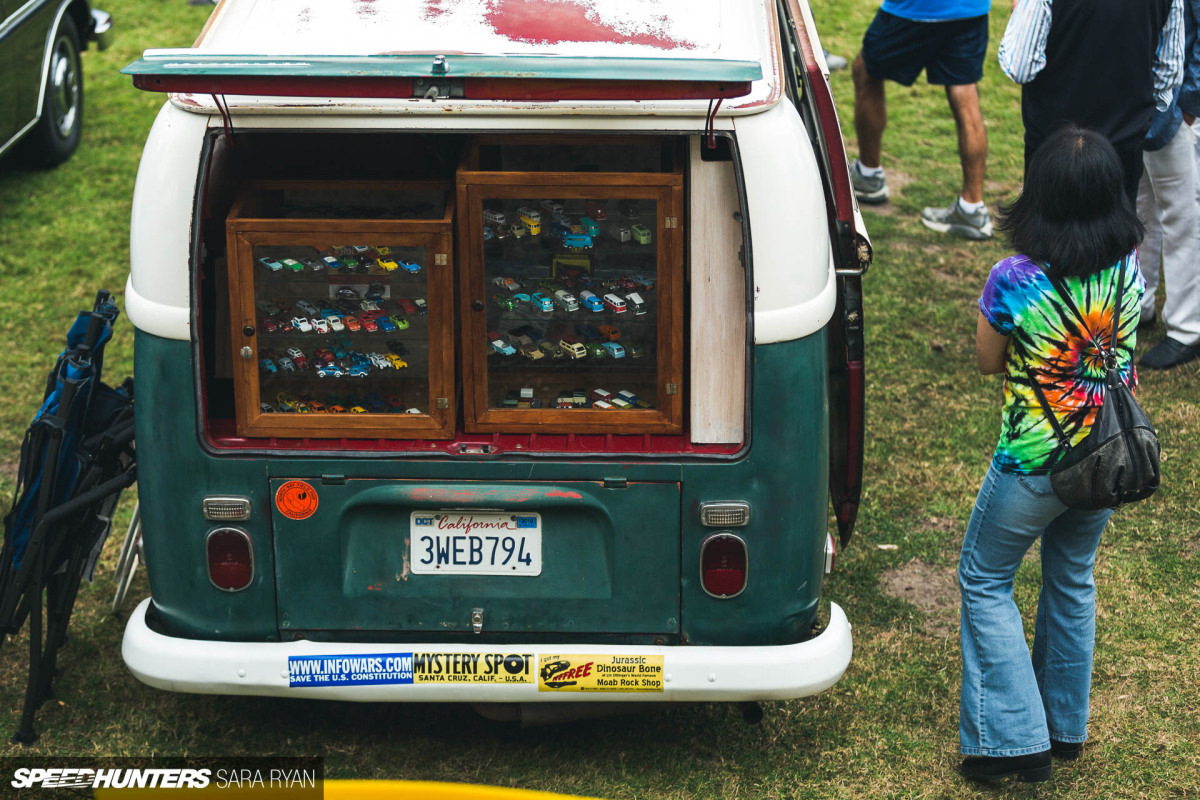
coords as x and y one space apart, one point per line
591 673
497 667
296 500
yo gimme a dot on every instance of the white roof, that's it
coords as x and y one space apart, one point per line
742 30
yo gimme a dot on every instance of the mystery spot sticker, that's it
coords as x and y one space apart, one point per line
296 500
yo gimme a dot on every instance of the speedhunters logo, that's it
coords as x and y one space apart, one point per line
298 777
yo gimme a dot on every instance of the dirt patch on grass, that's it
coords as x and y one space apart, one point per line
932 589
941 524
896 182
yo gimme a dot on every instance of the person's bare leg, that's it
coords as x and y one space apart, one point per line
972 138
870 114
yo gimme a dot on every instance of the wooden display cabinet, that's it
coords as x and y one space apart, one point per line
389 371
538 354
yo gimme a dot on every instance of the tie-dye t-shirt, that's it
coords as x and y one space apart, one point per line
1019 301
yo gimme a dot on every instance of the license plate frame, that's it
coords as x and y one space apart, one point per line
455 542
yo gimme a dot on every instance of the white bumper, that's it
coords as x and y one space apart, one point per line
690 673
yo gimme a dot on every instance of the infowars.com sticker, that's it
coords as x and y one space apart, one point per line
590 673
410 668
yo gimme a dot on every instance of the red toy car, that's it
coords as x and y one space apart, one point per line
406 305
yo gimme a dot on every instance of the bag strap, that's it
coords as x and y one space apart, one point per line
1109 354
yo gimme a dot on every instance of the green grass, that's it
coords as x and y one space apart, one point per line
887 729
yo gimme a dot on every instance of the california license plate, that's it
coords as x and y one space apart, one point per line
475 543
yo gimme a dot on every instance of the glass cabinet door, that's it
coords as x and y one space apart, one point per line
573 321
343 332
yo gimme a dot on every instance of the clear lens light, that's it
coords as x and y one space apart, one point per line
724 515
226 509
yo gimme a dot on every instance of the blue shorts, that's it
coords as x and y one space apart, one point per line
951 53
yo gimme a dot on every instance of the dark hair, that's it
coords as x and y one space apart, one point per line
1073 214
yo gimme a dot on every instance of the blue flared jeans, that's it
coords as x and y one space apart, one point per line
1014 701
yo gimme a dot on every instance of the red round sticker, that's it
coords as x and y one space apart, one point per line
296 500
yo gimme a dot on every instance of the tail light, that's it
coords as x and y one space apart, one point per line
230 559
723 562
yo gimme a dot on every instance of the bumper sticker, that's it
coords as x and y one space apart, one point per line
410 668
595 673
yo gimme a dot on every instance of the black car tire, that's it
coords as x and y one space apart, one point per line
56 135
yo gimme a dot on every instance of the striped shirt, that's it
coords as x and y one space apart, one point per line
1023 48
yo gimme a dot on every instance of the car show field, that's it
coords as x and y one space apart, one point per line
888 728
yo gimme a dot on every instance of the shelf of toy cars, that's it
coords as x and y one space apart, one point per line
583 395
346 392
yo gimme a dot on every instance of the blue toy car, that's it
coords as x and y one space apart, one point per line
541 302
385 324
410 267
614 350
591 301
577 241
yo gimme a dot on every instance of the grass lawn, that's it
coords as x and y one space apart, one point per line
887 729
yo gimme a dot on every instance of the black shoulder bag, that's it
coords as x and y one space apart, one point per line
1117 462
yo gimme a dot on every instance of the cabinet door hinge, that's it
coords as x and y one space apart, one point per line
443 402
440 259
672 388
672 222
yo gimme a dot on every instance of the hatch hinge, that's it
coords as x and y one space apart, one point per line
615 483
437 88
333 480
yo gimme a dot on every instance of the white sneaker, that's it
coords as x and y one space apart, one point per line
869 189
834 61
956 221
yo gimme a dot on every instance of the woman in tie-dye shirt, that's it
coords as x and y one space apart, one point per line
1072 225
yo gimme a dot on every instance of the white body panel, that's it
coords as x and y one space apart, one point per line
157 297
690 673
794 288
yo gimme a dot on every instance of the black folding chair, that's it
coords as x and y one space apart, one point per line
77 457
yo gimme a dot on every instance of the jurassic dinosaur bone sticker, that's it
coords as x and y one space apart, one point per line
296 500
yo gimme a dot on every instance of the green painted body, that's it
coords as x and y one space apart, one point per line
621 538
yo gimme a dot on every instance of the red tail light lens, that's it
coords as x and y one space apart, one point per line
723 563
230 559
